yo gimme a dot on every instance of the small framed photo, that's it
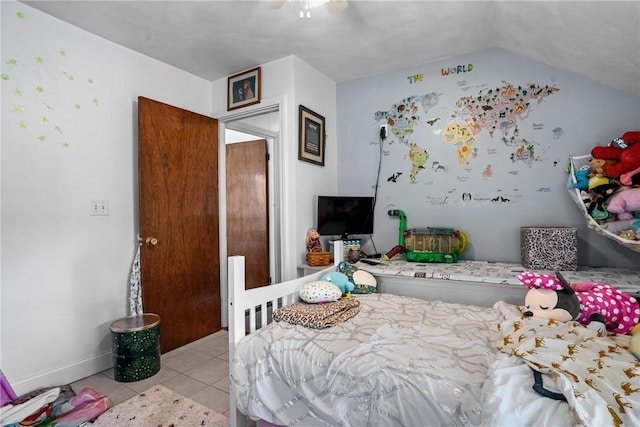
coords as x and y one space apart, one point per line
312 137
243 89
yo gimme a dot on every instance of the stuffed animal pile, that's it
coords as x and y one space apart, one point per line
611 185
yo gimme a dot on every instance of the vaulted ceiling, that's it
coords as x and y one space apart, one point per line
214 39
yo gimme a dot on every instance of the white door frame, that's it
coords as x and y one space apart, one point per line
231 121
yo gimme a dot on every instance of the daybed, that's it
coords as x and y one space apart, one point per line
481 282
407 361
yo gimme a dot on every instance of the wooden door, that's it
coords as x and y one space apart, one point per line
248 208
178 196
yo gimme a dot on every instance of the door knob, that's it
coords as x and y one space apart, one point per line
151 241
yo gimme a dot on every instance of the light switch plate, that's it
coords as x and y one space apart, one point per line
99 207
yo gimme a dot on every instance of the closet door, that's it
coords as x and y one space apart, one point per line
248 208
178 195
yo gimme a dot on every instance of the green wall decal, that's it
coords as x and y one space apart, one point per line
54 74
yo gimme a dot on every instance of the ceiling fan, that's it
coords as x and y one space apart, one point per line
333 6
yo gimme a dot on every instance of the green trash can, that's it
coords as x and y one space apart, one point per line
135 344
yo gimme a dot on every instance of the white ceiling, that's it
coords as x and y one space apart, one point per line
215 39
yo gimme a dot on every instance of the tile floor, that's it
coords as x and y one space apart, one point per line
199 371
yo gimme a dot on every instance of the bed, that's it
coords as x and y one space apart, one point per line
408 361
481 282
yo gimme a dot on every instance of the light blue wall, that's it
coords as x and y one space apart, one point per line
570 121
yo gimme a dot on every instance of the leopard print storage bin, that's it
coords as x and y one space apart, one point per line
549 248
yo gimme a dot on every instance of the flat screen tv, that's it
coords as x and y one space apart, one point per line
344 215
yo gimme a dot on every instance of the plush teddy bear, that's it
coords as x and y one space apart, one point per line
624 203
628 158
597 305
598 166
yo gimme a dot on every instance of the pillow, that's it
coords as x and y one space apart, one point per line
320 291
363 281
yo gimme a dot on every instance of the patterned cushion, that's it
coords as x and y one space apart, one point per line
364 282
320 291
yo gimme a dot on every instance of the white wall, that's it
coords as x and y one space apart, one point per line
571 121
69 136
69 125
291 82
317 93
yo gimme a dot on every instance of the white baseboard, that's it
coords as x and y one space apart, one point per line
66 374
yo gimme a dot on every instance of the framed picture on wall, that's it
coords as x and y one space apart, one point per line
312 137
243 89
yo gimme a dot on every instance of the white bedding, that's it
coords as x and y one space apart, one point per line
598 376
509 399
400 361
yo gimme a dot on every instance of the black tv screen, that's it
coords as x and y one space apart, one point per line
344 215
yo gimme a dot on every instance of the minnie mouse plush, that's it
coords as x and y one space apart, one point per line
597 305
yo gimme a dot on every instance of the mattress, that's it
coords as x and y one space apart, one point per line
400 361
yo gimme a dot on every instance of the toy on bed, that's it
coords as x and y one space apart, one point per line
320 291
323 307
340 280
580 365
597 305
364 282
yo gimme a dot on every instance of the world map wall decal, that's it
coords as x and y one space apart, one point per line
500 109
496 110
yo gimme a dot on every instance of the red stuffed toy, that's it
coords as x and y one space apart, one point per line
631 178
628 158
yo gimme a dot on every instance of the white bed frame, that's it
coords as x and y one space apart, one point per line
250 310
